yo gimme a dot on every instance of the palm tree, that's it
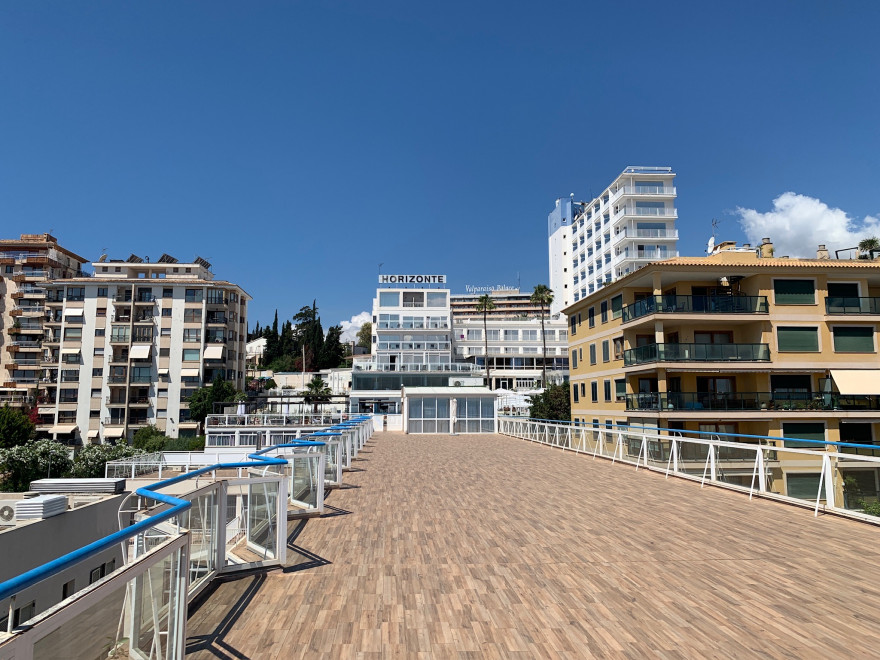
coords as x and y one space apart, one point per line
316 391
868 246
543 297
485 305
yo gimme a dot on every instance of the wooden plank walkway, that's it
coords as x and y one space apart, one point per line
493 547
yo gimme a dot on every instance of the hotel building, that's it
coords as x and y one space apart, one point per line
514 340
129 345
630 224
736 342
26 265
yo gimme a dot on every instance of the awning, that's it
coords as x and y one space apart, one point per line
74 311
63 428
140 352
857 381
190 372
93 433
188 425
114 432
163 371
214 352
69 351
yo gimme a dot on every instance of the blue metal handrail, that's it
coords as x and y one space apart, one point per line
178 506
715 433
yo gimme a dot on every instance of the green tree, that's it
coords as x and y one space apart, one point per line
365 336
543 296
485 305
149 439
553 403
201 403
15 427
285 363
91 461
316 391
332 355
868 246
39 459
309 336
273 342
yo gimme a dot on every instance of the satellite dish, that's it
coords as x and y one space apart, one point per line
710 246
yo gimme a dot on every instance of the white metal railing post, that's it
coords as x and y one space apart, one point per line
618 446
673 458
709 466
758 473
600 439
825 479
643 451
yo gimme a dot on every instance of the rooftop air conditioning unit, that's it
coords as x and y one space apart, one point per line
7 513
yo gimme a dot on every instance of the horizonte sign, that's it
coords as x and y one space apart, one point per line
412 279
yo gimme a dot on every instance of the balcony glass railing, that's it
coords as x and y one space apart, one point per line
697 353
738 401
836 305
695 305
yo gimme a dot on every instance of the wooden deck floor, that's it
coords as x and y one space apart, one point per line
490 547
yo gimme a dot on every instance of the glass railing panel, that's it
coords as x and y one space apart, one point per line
262 520
840 305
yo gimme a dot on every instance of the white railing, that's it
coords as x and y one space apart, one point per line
760 466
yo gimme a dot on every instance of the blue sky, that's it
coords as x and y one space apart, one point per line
296 145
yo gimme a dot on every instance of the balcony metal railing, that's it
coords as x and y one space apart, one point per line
647 254
673 304
836 305
741 401
697 353
648 190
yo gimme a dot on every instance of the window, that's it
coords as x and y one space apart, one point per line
67 589
102 292
389 299
804 431
574 393
591 317
101 312
616 307
192 316
76 293
607 389
594 391
190 355
618 348
797 340
96 574
803 485
794 292
216 297
574 359
166 311
193 295
573 325
493 335
606 351
592 353
96 393
140 375
583 390
620 389
436 299
530 335
99 351
165 332
100 332
72 333
97 373
603 311
192 335
119 333
164 352
167 292
474 335
511 335
853 339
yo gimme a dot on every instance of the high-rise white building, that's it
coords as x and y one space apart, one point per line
127 346
629 225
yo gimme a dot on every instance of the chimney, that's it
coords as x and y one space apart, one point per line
822 253
766 248
747 246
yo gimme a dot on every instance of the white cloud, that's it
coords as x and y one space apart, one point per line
798 224
350 328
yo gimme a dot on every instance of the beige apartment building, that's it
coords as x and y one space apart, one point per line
736 342
26 265
129 345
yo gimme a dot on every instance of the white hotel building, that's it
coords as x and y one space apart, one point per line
629 225
127 346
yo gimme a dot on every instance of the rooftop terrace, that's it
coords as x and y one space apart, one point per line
491 546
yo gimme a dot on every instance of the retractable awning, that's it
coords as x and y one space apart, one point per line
140 352
163 371
857 381
190 372
69 351
214 352
93 433
114 432
74 311
63 428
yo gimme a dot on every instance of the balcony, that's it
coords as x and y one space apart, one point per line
654 191
695 305
852 305
124 297
29 291
650 255
29 275
696 353
744 401
114 401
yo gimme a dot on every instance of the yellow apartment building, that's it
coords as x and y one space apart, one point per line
737 342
